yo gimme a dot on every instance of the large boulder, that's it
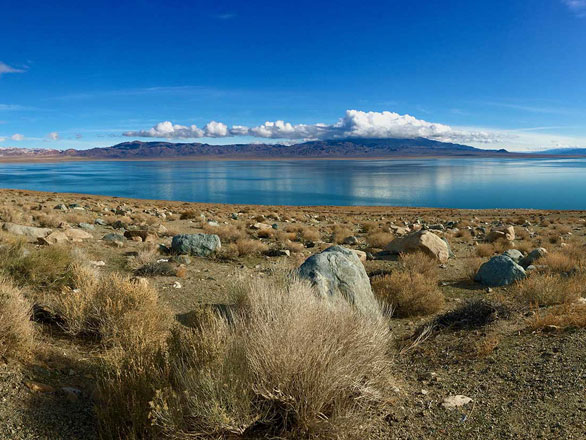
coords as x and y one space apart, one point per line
499 271
422 241
533 256
28 231
504 233
338 272
201 245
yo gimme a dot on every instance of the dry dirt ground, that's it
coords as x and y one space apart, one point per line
524 384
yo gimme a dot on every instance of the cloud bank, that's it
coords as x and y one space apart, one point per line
354 123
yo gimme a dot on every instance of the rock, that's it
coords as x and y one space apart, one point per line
97 263
213 223
514 255
457 401
424 241
161 230
338 272
360 254
533 256
351 240
177 285
60 207
39 387
278 253
201 245
119 224
55 237
144 236
499 271
275 226
234 216
261 226
114 239
27 231
399 230
77 235
100 222
87 226
71 394
504 233
437 227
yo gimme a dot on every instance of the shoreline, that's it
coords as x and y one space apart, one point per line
350 209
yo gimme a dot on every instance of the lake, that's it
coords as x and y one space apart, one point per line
453 183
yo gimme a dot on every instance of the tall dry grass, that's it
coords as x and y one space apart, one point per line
219 379
16 328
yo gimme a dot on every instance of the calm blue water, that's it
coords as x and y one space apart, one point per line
454 183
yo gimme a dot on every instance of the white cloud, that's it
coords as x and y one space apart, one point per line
17 137
578 6
5 68
2 139
355 123
54 136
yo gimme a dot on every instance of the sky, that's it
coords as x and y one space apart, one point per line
489 73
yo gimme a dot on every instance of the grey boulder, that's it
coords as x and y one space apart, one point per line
499 271
514 255
338 272
27 231
200 245
533 256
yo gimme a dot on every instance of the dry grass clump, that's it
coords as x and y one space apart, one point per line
328 378
248 246
544 289
413 289
471 266
227 233
45 268
111 309
379 240
339 233
16 328
561 317
47 220
155 269
464 234
485 250
188 215
570 259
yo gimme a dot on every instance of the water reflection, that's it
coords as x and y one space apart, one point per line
456 183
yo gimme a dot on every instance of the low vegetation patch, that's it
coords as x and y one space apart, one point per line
412 290
471 315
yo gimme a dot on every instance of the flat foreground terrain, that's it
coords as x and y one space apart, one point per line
84 367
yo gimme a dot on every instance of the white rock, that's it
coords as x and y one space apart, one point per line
456 401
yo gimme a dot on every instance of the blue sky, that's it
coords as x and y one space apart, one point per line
498 73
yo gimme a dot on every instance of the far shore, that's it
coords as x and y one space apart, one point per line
54 159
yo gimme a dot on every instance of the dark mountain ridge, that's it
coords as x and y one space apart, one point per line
313 149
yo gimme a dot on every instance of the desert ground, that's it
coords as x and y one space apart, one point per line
106 331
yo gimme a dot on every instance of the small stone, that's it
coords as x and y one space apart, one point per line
177 285
457 401
39 387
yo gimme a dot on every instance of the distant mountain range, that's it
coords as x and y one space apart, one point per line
567 151
341 148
